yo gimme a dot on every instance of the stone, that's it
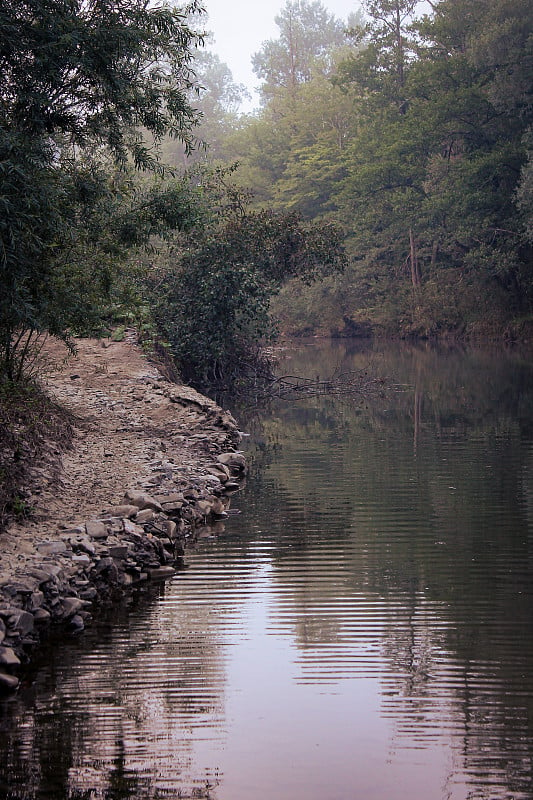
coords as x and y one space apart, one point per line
36 600
132 529
71 606
234 460
83 560
119 551
146 515
8 683
51 548
96 530
142 500
21 621
8 657
125 510
2 631
76 624
85 545
231 486
173 497
220 472
89 594
171 528
160 573
41 616
173 508
16 586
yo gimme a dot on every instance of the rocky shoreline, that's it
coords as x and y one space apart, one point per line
55 573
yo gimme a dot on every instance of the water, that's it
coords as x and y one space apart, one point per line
362 630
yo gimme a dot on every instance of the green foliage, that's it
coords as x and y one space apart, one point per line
212 302
81 78
419 143
308 36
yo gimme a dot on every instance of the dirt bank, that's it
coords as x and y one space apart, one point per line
170 450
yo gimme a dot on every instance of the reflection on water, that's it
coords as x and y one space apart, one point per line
362 630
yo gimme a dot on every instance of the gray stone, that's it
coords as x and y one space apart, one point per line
142 500
160 573
126 510
146 515
2 631
234 460
89 594
96 530
219 471
83 560
51 548
76 624
41 575
119 551
36 600
41 616
71 606
18 586
21 621
8 683
85 545
8 657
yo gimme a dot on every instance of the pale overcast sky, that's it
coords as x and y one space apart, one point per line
240 26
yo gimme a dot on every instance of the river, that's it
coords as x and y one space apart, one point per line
361 630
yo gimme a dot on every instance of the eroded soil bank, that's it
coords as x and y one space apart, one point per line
151 463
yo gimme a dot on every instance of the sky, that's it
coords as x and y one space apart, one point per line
240 27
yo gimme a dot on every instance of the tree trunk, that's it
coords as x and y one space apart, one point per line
415 269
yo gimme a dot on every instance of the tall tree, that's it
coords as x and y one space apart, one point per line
76 76
308 34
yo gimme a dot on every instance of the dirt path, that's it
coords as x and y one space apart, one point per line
133 429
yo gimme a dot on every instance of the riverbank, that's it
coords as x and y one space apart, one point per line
150 464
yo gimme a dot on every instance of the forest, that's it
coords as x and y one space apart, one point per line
409 125
383 187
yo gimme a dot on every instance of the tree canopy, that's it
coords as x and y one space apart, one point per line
87 88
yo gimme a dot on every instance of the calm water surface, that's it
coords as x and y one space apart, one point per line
362 630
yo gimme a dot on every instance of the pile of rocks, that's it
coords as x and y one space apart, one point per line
63 578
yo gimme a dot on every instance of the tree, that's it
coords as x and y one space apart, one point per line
76 76
216 99
308 35
433 172
212 300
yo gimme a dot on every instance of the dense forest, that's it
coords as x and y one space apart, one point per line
410 125
383 186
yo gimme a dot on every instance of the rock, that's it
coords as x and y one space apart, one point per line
146 515
76 624
119 551
15 587
41 616
51 548
8 657
219 471
36 601
126 510
96 530
234 460
160 573
2 631
71 606
21 621
142 500
83 560
8 683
